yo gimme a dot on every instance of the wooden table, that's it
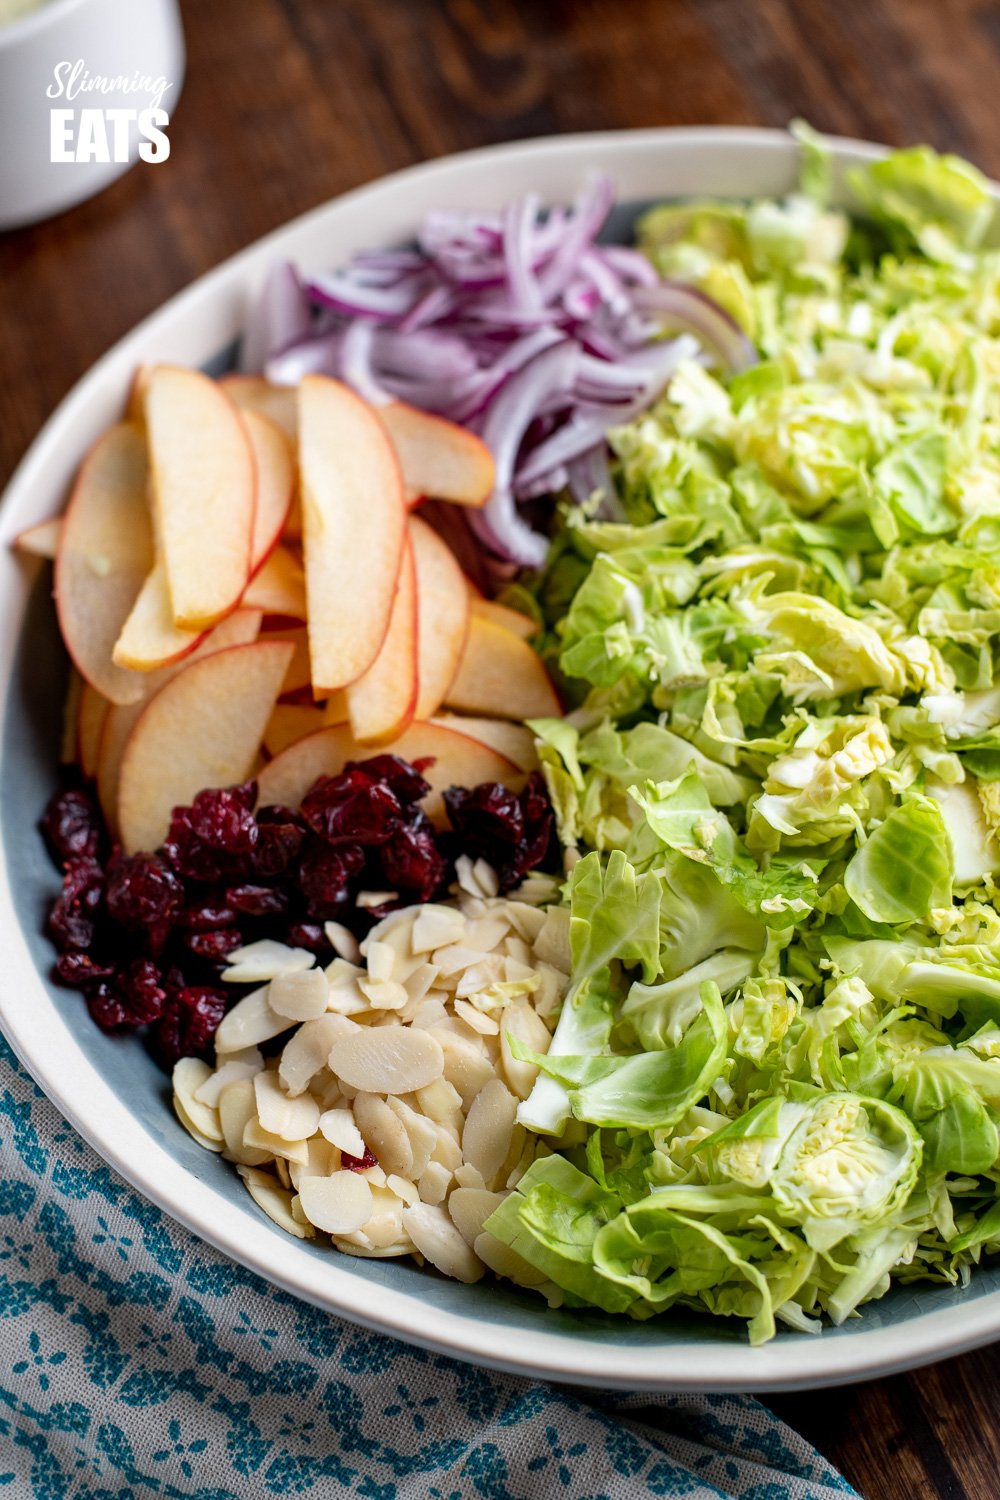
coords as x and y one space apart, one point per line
288 102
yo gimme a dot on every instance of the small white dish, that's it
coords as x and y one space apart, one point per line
109 1089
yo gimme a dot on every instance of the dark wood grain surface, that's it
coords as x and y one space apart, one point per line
288 102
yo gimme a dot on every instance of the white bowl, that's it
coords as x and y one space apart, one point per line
109 1089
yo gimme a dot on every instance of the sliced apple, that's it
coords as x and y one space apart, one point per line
443 616
501 676
149 638
335 709
510 619
276 402
204 493
203 729
290 723
280 586
239 629
275 468
354 518
457 760
297 677
381 703
41 540
105 552
437 457
91 714
513 740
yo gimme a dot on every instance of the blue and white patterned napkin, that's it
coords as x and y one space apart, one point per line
136 1361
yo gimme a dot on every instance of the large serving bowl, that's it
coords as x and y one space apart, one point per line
110 1089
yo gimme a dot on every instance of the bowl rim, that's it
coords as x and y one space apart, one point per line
71 1081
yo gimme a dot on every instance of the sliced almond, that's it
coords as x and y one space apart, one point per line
237 1108
188 1076
209 1143
384 1134
439 1100
383 994
264 960
250 1022
421 1133
520 1020
437 927
292 1118
489 1127
230 1072
552 943
343 941
381 959
437 1239
338 1126
301 994
465 1067
339 1204
434 1182
257 1138
485 1025
306 1052
388 1059
470 1207
276 1202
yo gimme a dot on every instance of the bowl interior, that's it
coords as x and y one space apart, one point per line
108 1084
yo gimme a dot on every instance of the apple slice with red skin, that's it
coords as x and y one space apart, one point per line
290 723
92 711
443 616
239 629
438 458
458 760
275 469
204 492
41 540
510 619
203 729
279 588
105 551
382 703
354 519
515 741
149 638
501 676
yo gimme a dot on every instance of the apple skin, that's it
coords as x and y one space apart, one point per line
241 628
382 703
202 729
515 741
443 616
105 552
438 458
458 760
354 519
204 492
501 676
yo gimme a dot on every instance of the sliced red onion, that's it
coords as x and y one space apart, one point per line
280 316
519 326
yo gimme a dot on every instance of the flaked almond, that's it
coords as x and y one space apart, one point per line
342 941
439 1100
437 1239
189 1075
264 960
456 959
465 1066
282 1172
519 1020
384 1134
526 920
403 1188
276 1202
338 1204
489 1127
387 1059
381 959
434 1182
237 1108
421 1133
321 1160
338 1126
372 900
307 1051
250 1021
436 927
486 933
477 1019
257 1138
301 995
208 1142
292 1118
230 1072
468 1177
470 1207
552 943
383 994
447 1149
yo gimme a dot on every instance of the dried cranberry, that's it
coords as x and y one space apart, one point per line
411 862
280 835
352 808
141 992
186 1028
106 1008
142 892
207 915
257 900
402 778
486 814
308 935
215 946
72 919
80 970
72 825
324 876
216 835
357 1163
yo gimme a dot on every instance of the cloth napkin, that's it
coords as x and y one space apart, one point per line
136 1361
